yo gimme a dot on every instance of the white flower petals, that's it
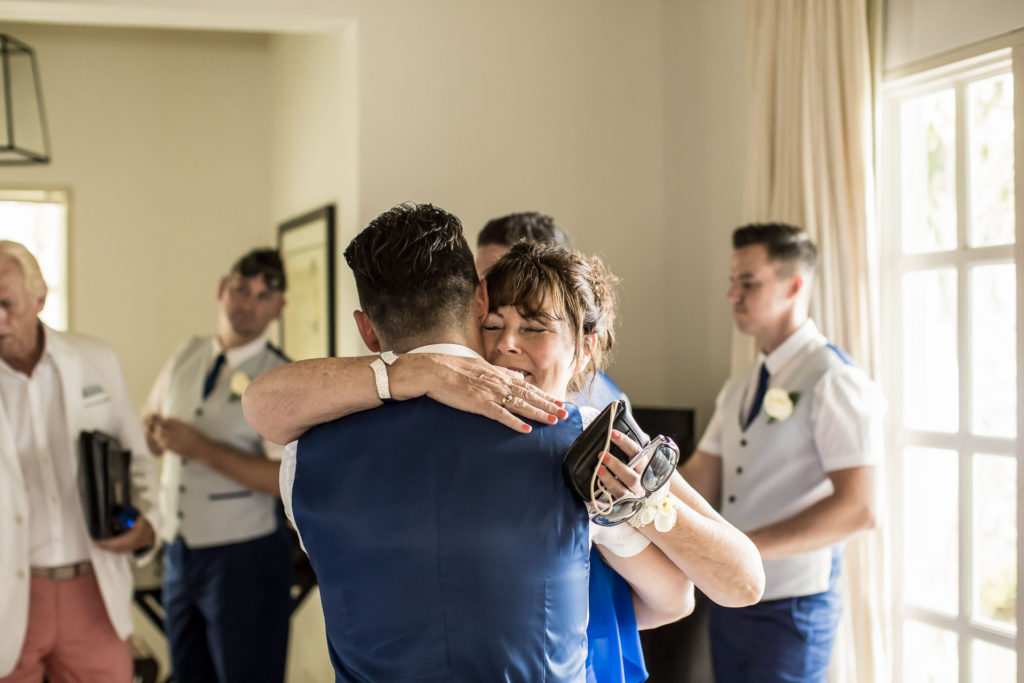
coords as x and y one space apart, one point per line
777 404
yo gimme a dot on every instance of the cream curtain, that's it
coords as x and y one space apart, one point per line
810 163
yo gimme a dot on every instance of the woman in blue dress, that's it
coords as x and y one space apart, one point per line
551 318
551 324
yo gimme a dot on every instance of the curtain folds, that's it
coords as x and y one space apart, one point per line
810 159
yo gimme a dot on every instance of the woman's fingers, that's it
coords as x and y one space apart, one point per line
533 403
628 446
493 410
474 385
621 480
631 449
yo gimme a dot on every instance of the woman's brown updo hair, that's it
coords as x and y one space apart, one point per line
555 279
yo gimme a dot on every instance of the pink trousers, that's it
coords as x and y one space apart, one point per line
70 638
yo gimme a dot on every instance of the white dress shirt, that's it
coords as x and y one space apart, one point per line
35 410
844 401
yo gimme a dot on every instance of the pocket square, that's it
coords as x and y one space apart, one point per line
94 395
91 390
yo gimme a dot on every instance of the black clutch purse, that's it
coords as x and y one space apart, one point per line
105 485
580 462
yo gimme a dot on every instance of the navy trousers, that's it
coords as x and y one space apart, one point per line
777 640
227 609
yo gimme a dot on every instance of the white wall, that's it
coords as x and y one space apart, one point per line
161 136
916 29
314 144
621 120
486 109
705 137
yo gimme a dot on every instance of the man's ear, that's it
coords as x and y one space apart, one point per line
40 303
797 285
481 303
220 287
366 331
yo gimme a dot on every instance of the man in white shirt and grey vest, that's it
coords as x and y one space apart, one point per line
790 456
65 599
227 566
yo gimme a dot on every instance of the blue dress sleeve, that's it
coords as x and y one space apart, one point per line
613 641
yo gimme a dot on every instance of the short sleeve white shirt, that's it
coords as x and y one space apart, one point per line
848 406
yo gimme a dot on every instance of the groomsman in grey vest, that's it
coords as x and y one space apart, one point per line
790 456
227 563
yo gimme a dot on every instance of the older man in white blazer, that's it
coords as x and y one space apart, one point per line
65 599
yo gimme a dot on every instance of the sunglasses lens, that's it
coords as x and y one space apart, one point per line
620 512
660 468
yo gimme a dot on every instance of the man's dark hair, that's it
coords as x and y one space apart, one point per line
414 271
785 243
530 226
265 262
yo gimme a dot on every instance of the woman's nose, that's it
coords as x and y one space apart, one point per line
508 343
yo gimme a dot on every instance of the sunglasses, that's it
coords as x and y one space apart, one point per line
661 456
658 458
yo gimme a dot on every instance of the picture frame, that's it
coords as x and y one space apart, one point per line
306 244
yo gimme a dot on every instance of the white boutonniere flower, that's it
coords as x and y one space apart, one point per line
239 381
779 403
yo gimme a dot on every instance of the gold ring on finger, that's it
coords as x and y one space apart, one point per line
505 399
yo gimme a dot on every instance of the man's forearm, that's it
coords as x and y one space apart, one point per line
831 520
252 472
285 402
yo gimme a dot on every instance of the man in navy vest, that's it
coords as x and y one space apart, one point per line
791 455
447 547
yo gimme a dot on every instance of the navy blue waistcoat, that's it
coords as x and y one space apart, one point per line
447 547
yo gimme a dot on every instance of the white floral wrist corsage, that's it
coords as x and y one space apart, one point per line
657 508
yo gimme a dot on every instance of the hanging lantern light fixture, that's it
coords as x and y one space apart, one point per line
24 138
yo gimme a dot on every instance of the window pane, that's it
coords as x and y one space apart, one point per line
929 654
994 350
995 538
930 366
990 120
42 228
928 172
992 664
930 528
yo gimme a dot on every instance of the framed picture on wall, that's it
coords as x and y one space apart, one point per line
307 249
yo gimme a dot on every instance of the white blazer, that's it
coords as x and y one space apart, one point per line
82 364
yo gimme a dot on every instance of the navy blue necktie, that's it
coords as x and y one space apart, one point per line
762 387
211 377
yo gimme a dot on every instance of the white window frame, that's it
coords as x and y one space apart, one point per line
957 70
50 196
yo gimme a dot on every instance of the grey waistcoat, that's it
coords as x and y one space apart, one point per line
772 470
211 508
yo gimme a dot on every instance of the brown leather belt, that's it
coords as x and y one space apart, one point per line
62 573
